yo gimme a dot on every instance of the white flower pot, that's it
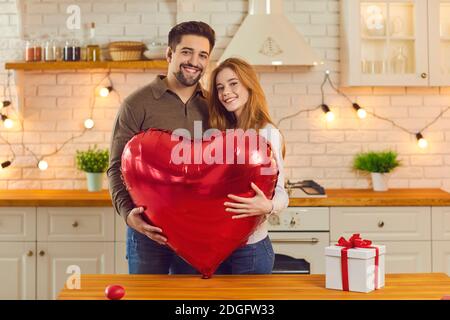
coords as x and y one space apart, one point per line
94 181
379 181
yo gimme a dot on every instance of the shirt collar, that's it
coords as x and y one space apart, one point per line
159 87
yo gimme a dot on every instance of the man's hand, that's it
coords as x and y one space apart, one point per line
248 207
135 221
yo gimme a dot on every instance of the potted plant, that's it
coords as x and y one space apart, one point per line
94 162
378 164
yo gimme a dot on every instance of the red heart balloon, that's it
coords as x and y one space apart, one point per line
183 184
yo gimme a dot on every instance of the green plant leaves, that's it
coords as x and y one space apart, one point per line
382 162
93 160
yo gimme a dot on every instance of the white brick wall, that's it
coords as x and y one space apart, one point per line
56 103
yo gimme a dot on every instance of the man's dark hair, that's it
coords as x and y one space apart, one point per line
197 28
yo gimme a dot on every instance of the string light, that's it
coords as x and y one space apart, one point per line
421 141
43 165
328 113
104 92
8 123
6 103
362 114
5 164
89 123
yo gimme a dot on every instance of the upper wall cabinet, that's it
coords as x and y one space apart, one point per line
395 43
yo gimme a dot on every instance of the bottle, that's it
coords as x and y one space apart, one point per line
92 49
400 62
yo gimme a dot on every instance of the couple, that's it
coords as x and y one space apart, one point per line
235 100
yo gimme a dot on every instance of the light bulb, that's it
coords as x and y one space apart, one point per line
43 165
8 123
330 116
89 123
362 113
104 92
423 143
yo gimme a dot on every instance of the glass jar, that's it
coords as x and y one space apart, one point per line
37 51
76 50
68 51
29 51
50 51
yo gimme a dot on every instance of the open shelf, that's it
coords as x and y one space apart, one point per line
64 65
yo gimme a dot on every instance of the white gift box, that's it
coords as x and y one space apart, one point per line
361 268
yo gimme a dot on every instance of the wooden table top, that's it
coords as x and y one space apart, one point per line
335 197
424 286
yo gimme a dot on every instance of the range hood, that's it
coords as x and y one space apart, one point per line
267 37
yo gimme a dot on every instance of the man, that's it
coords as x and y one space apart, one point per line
169 102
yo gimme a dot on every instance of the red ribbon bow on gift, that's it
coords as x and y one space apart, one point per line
354 241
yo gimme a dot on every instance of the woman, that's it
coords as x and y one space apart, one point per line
237 100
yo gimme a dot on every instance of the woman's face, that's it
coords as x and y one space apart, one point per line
232 93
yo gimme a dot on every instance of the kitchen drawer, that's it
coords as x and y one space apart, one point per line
75 224
301 219
17 224
381 223
440 220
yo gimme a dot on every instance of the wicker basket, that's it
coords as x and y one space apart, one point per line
126 50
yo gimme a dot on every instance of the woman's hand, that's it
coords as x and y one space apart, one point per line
248 207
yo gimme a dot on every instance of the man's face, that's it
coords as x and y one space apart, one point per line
189 60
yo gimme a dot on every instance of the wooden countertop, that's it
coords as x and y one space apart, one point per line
425 286
335 198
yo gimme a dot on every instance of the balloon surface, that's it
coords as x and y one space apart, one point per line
183 183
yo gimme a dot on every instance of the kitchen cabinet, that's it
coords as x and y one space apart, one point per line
17 253
395 42
441 239
54 258
406 232
37 245
17 270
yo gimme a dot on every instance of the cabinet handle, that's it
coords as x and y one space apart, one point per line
424 75
30 253
381 224
75 224
42 253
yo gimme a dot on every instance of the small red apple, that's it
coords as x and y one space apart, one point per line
114 292
446 297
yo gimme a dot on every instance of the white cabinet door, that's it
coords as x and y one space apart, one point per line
441 256
439 41
384 42
121 261
17 270
381 223
407 256
53 259
441 223
17 224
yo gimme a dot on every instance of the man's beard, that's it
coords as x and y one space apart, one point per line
188 82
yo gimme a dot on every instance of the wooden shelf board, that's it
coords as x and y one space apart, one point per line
64 65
